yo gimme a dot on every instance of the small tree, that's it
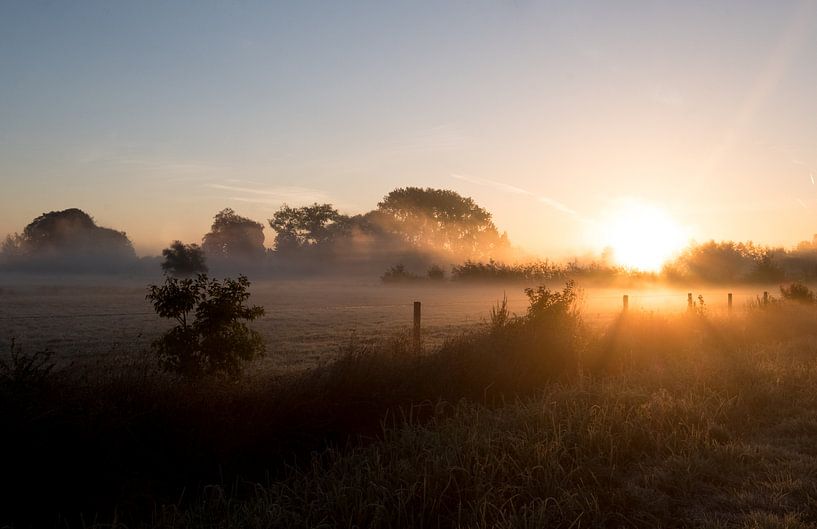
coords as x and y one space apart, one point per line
217 340
183 260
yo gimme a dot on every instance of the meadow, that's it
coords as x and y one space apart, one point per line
89 321
647 418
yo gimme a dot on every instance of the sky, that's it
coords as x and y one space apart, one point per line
153 116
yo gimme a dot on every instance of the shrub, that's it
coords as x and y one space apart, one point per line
500 315
20 370
218 339
398 274
797 292
436 273
547 305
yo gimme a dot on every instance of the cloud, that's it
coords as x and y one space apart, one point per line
507 188
273 195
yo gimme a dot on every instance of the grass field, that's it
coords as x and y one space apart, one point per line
649 419
91 320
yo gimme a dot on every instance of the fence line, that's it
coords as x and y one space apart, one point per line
628 300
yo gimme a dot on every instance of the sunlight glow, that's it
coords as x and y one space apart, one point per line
642 236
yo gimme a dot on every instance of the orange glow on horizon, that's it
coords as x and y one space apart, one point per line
642 236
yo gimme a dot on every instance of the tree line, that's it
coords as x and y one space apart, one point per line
410 224
413 234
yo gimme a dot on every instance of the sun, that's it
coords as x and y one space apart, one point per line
642 236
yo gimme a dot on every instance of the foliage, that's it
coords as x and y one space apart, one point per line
67 239
217 340
19 370
305 227
553 307
495 271
726 262
435 273
500 315
184 259
798 292
671 418
398 274
234 237
441 219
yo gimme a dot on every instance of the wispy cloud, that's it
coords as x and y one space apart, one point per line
272 195
514 190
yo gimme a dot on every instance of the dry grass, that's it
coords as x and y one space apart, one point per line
657 420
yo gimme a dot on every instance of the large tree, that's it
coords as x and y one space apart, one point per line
441 219
306 227
232 236
68 237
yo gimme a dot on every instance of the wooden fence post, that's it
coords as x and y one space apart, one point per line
729 303
626 303
416 344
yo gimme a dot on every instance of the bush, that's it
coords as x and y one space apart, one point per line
797 292
217 340
398 274
546 305
20 370
436 273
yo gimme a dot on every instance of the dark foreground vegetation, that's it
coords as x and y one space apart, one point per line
537 420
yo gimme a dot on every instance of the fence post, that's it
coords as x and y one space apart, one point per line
729 303
626 303
765 298
415 336
689 301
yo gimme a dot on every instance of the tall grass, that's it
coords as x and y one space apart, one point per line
533 421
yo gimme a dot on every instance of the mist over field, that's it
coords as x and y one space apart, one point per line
484 265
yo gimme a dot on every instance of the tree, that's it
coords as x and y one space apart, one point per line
67 239
307 226
441 219
217 340
183 260
233 236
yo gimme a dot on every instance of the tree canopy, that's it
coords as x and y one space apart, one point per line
307 226
441 219
68 236
183 259
234 237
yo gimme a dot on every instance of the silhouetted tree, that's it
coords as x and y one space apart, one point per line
232 236
441 219
216 339
307 226
67 239
183 259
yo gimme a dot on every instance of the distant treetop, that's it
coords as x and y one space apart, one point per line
69 238
233 236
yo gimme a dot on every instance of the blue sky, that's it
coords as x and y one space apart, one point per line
152 116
